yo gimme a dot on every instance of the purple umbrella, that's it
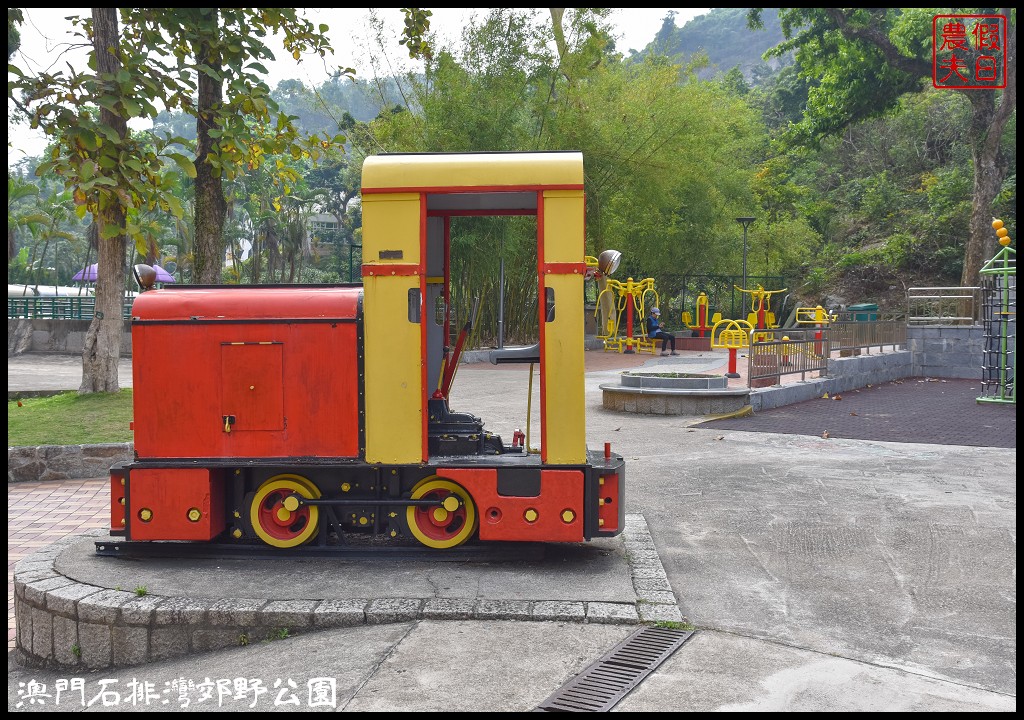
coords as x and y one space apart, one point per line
162 276
87 275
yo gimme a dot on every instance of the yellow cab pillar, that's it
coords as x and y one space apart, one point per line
393 232
562 272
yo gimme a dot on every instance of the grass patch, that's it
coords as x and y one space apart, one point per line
685 626
70 419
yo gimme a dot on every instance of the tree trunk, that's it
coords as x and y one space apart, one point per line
982 243
103 339
988 122
211 207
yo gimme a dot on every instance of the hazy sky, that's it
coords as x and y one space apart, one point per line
46 35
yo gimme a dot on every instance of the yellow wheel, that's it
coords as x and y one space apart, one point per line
446 525
275 515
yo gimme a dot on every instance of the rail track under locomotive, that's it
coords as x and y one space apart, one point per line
307 414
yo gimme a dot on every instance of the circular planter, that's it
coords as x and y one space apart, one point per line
676 381
673 394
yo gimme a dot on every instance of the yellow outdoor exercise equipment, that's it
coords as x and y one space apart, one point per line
732 335
630 299
818 317
761 315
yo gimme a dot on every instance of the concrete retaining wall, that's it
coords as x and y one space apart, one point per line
947 352
58 336
844 374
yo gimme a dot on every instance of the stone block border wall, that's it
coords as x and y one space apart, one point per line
844 374
65 462
670 401
66 624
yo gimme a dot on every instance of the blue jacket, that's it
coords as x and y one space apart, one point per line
653 326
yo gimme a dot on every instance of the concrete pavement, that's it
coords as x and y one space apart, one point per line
32 373
821 574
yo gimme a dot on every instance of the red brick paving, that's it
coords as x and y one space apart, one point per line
39 513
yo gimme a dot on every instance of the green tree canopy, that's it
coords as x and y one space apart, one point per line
865 59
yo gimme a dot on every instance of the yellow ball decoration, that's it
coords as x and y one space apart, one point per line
1002 232
996 224
1005 240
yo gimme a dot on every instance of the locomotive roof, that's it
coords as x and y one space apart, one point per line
249 302
455 172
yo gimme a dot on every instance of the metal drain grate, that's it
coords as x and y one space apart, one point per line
609 678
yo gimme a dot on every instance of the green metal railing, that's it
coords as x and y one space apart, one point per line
58 308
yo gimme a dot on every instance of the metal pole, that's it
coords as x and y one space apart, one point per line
501 303
744 257
501 292
745 222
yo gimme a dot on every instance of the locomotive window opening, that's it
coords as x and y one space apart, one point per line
414 305
494 257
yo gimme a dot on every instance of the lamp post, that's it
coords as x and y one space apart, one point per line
501 292
745 222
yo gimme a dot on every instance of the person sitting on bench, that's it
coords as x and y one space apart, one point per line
656 331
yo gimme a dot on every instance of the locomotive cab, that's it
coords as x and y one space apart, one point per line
311 413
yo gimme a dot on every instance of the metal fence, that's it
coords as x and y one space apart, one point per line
851 336
943 305
802 353
786 351
679 293
58 308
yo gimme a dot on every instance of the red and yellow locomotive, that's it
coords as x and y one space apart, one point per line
306 411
